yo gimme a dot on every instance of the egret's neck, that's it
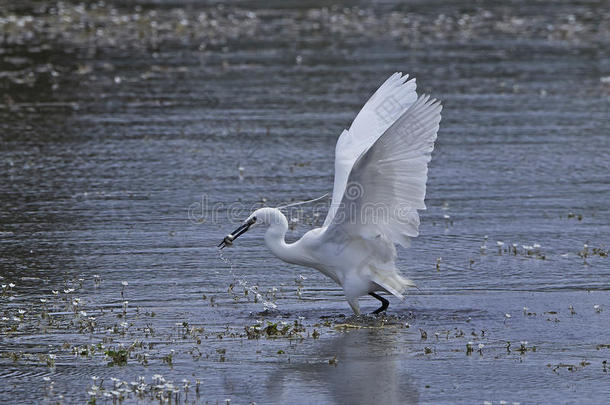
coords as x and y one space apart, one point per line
274 239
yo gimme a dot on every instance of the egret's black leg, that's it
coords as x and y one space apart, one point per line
384 303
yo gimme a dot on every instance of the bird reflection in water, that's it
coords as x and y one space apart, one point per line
367 371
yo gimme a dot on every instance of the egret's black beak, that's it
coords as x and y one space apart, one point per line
228 240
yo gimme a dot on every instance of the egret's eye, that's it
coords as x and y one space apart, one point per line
254 219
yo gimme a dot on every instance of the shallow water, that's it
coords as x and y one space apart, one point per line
120 163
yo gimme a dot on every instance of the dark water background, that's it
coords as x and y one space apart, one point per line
123 127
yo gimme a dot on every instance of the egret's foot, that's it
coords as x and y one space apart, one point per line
384 303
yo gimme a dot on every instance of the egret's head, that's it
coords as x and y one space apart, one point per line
264 215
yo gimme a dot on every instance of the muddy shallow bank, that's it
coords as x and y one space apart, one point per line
120 127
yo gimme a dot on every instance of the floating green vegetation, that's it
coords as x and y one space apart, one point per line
160 389
523 348
531 251
169 358
276 330
569 367
572 215
118 357
587 252
534 251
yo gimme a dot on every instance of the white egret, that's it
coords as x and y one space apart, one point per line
381 166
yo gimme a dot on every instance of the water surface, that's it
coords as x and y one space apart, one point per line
121 156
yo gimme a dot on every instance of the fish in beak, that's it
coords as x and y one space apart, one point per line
228 240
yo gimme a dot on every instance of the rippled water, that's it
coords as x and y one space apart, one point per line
127 161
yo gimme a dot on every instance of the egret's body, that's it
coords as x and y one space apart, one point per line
380 183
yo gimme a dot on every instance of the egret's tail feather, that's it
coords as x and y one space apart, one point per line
392 282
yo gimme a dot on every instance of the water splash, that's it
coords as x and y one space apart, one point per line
242 282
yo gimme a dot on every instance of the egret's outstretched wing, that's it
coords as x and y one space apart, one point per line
387 184
384 107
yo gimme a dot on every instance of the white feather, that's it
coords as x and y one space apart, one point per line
384 190
392 175
384 107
